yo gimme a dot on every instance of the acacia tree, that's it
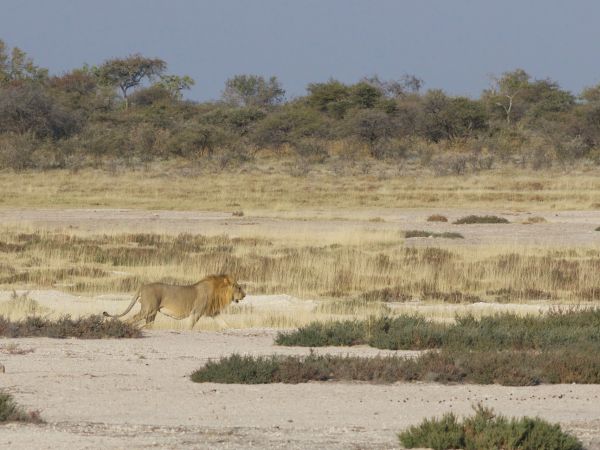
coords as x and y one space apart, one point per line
18 66
175 84
253 90
127 73
505 89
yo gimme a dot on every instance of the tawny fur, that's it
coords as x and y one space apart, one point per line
207 297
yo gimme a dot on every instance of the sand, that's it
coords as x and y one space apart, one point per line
136 393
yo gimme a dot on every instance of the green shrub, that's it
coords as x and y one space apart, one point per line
422 233
480 219
486 430
508 368
92 327
316 334
10 411
501 331
238 369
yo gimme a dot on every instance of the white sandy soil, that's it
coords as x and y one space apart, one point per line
136 393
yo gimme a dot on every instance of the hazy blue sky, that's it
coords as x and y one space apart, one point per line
450 44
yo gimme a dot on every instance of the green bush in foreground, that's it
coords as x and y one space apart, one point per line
511 368
480 219
485 430
11 412
91 327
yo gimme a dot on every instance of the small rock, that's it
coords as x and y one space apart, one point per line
2 369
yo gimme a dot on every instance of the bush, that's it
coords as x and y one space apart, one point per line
10 411
422 233
486 430
238 369
437 218
509 368
350 332
27 108
502 331
92 327
480 219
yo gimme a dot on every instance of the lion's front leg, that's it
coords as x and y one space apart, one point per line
221 322
194 317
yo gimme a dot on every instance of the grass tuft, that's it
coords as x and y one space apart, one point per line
91 327
10 411
486 430
480 219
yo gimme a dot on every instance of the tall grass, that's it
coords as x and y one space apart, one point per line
269 186
369 266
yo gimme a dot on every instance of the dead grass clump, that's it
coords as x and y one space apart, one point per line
92 327
533 220
388 294
430 234
505 295
10 411
437 218
487 430
451 297
238 213
353 307
15 349
480 219
21 305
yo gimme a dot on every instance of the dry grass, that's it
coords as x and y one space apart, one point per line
355 273
119 263
270 187
21 305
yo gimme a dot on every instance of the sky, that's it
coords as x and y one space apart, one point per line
455 45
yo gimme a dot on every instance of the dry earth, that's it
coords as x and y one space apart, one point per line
137 394
563 228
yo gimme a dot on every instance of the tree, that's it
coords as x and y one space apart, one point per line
332 97
127 73
28 109
175 84
364 95
395 88
253 90
505 90
18 67
447 117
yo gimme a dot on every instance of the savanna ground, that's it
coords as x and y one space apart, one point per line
321 246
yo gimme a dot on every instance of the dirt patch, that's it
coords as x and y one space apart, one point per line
137 393
560 228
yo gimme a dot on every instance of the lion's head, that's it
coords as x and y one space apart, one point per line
238 292
228 290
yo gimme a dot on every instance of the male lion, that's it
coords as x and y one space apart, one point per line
207 297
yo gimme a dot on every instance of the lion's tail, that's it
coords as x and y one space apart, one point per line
133 300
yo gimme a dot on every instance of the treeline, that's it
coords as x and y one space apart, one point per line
132 109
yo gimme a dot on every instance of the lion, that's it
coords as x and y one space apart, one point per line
207 297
